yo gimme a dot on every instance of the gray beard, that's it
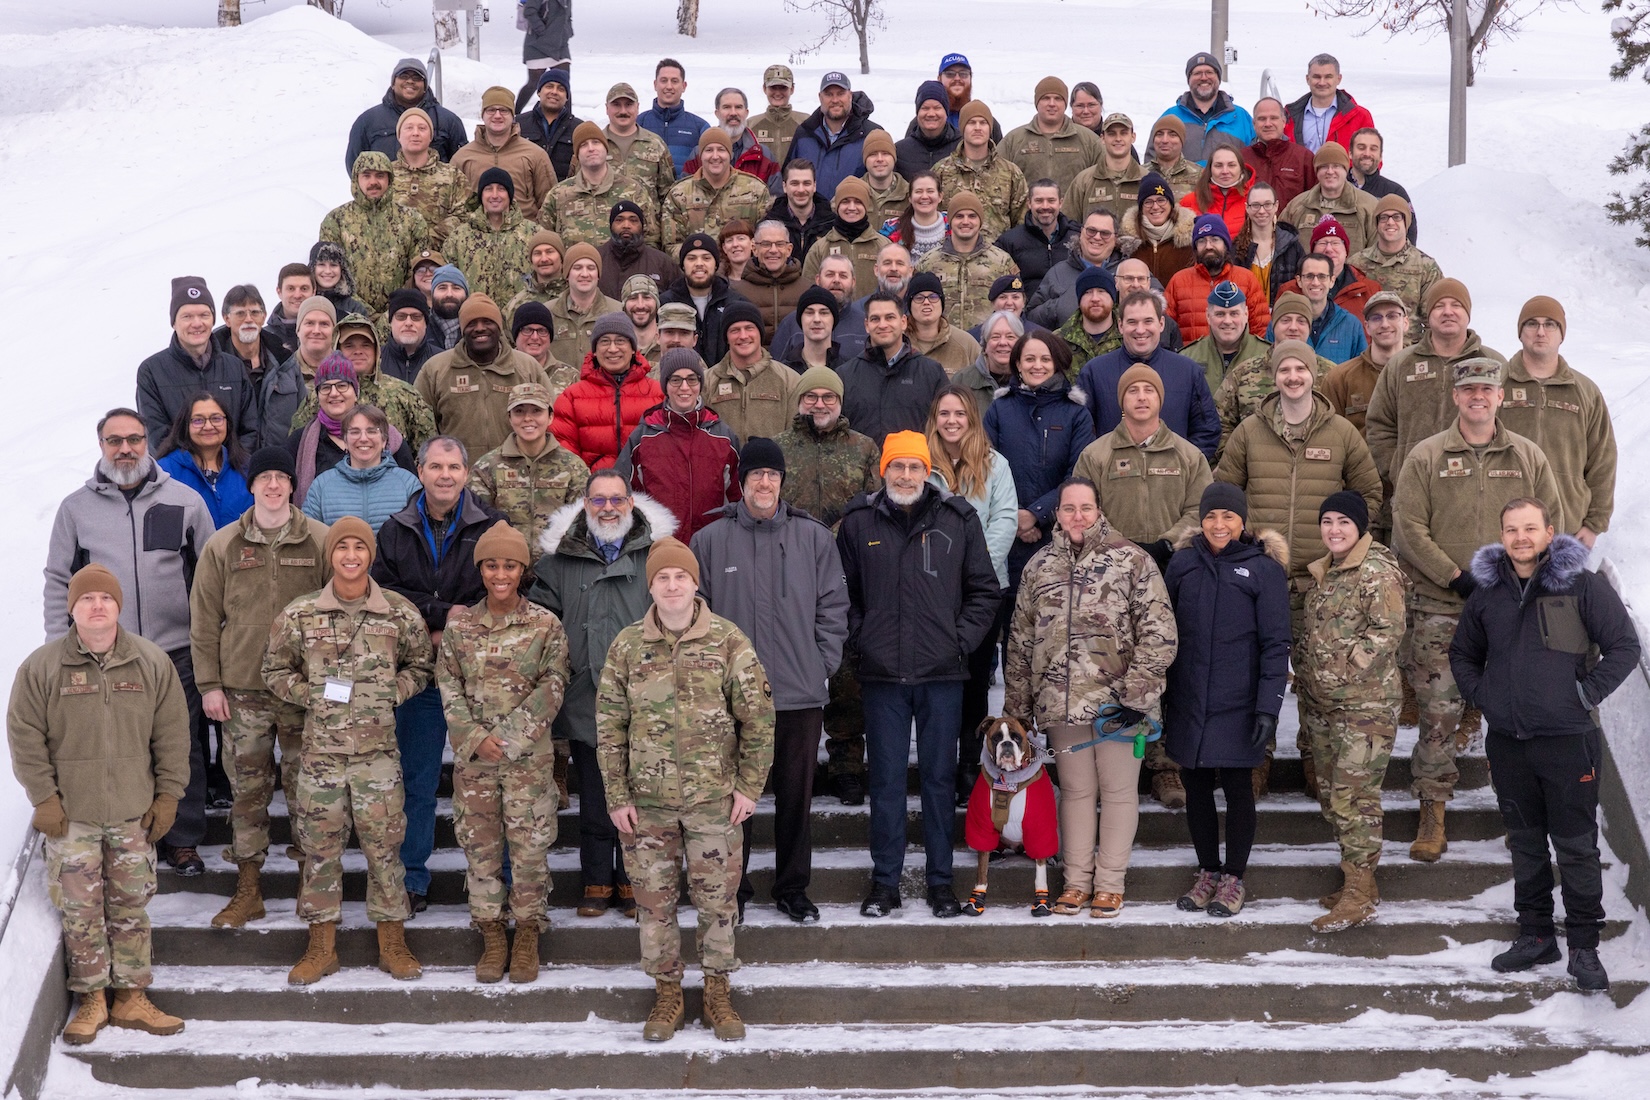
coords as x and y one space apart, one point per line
145 466
611 532
893 286
904 500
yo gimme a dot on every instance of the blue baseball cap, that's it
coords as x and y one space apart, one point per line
951 59
1226 294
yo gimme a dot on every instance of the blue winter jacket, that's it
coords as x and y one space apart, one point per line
374 494
678 127
1040 432
834 159
1188 406
1232 612
225 492
1336 335
1224 117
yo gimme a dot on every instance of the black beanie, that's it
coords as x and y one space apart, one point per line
1349 504
741 310
499 176
819 296
624 206
265 459
190 290
406 298
696 241
532 313
923 282
760 454
1223 494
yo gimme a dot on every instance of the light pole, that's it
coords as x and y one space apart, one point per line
1459 42
1217 32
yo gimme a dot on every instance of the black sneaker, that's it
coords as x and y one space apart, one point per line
943 903
798 908
186 862
1588 971
220 800
1526 951
881 901
416 903
850 789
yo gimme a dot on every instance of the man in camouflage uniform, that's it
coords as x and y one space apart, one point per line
544 277
1113 181
423 181
978 166
491 245
775 127
1334 196
1346 677
402 406
966 264
640 154
713 196
379 236
349 655
1092 330
1166 156
578 208
99 736
1395 263
580 306
1248 382
503 675
530 475
684 729
248 573
1446 504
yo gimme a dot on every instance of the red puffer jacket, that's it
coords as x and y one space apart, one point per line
1231 203
690 464
1187 299
595 415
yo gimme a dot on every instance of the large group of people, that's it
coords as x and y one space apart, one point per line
634 461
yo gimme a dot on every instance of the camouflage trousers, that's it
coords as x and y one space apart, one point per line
101 877
1424 658
512 803
845 722
715 851
335 792
258 722
1351 747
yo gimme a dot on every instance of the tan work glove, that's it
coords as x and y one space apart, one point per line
158 821
50 819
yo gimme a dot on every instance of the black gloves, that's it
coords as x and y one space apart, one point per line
1116 716
1161 551
1463 585
1266 728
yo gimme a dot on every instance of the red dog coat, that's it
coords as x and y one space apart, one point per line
1025 816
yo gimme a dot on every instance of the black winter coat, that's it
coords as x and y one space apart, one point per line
1034 251
1538 660
1232 611
803 234
167 379
555 138
921 590
405 564
915 153
878 398
713 343
374 129
1286 259
549 26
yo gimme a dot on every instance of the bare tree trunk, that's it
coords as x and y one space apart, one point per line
333 8
687 18
229 13
864 46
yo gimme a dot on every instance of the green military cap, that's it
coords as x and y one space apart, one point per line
678 315
620 91
639 284
529 393
778 75
1117 118
1480 370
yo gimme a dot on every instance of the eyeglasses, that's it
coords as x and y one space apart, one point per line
603 503
217 420
1543 324
248 311
773 244
1313 278
820 399
362 433
133 441
331 387
1389 316
926 298
1389 216
1098 234
684 382
1269 204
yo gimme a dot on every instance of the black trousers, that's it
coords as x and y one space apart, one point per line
190 827
1548 789
795 756
1203 820
601 859
976 697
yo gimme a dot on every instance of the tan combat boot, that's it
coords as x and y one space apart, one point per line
524 954
133 1009
719 1014
248 901
1472 720
559 773
394 958
668 1011
1260 779
320 957
495 948
1309 774
88 1019
1168 789
1330 900
1409 714
1430 842
1357 903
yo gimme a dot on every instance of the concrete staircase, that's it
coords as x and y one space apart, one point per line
1156 999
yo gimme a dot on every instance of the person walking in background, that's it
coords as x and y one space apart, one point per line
548 25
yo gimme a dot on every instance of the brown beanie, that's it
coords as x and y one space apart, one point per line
1543 306
498 97
1050 85
964 200
94 578
584 250
1140 372
549 237
1331 152
1395 203
1292 302
1293 349
1171 124
669 553
352 527
877 141
414 112
504 542
715 135
1446 288
478 307
587 131
973 109
852 187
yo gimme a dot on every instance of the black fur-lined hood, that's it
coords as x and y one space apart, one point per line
1565 560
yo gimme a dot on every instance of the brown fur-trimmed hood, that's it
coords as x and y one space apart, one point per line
1274 544
1184 220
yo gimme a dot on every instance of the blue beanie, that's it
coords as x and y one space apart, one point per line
449 274
1211 225
556 76
932 89
1094 277
1226 294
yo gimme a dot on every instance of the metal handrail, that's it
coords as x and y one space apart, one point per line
19 867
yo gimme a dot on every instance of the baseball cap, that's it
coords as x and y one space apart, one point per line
1479 370
776 75
1116 118
529 393
621 91
428 256
836 79
679 316
951 59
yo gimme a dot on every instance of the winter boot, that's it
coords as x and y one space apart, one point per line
596 901
393 956
719 1014
1260 778
1167 789
1586 970
1430 842
134 1009
524 953
1469 731
88 1019
1202 892
247 903
1409 715
1356 904
1228 899
494 950
624 900
320 957
1526 951
668 1011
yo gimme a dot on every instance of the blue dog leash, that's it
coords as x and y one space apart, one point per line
1148 729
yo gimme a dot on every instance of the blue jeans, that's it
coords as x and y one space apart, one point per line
421 733
889 710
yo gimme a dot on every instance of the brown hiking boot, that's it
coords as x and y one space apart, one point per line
1167 789
1309 774
1409 715
1333 898
134 1009
524 953
719 1014
320 957
559 773
596 899
1356 904
668 1011
394 958
1466 731
247 902
1430 842
624 900
494 949
88 1019
1260 777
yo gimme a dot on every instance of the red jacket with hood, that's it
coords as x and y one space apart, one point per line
595 415
690 464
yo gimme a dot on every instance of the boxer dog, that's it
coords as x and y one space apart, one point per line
1012 808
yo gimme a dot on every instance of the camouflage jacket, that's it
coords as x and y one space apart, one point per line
1148 491
683 721
401 405
382 650
531 290
380 237
1407 273
527 490
997 181
649 163
1206 352
437 191
1347 654
967 279
1246 385
1085 347
1061 156
1182 175
503 677
890 203
494 260
1092 624
1354 209
824 472
1096 187
861 252
695 206
577 209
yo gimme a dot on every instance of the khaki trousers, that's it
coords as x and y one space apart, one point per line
1106 774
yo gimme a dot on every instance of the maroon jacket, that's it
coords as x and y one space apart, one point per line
690 464
1284 165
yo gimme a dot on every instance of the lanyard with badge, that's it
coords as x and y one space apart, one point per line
338 689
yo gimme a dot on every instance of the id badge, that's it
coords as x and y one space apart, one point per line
338 691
